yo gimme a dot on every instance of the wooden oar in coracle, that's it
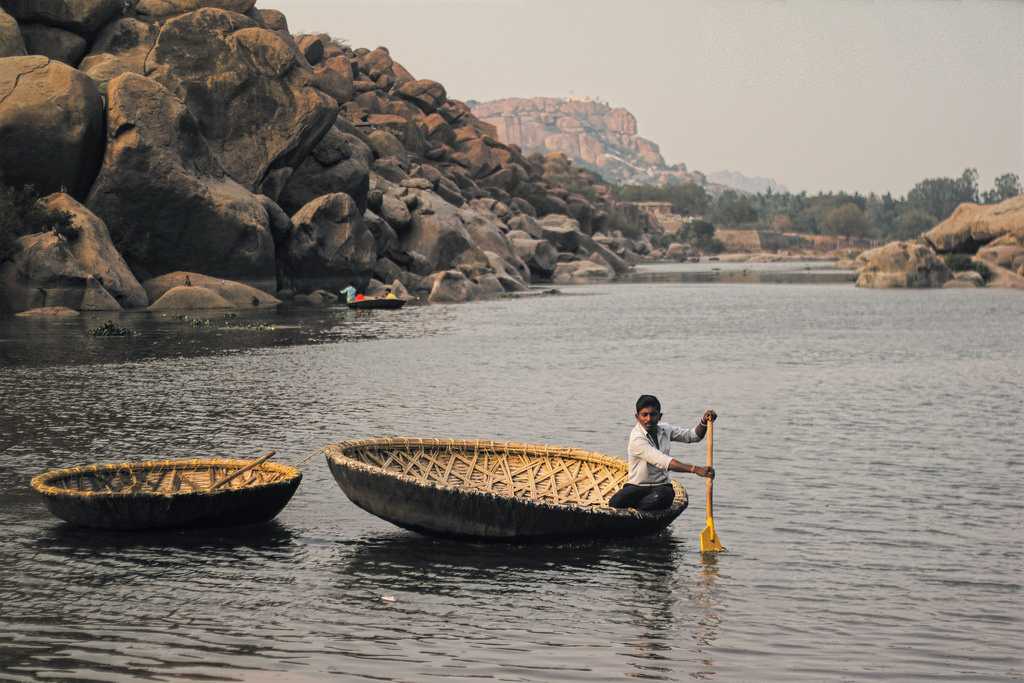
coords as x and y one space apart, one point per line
709 541
239 472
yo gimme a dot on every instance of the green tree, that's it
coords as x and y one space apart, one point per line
941 196
846 219
911 222
733 208
1005 187
698 232
20 214
687 200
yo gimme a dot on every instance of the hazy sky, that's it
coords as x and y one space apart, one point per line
817 94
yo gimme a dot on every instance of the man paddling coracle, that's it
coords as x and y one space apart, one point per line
648 486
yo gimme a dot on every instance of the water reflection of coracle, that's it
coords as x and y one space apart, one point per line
270 536
423 564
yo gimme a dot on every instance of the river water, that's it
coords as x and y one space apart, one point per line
870 469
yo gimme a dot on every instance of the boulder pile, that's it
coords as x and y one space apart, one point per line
201 137
989 239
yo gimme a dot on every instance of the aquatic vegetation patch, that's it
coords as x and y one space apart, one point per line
109 329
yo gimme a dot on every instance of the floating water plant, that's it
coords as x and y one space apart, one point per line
109 329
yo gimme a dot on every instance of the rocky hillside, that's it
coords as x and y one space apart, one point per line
588 132
190 138
744 183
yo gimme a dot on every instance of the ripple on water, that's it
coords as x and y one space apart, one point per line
872 519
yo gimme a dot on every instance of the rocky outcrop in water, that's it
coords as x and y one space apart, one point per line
208 140
974 225
990 235
902 264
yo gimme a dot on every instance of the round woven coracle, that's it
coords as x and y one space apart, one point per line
165 494
492 490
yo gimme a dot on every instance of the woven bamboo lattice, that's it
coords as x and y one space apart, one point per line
548 474
158 477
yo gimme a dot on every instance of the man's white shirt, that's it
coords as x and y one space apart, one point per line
648 466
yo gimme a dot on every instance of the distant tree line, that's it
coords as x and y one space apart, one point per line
870 216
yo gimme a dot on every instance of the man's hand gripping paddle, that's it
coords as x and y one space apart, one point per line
709 541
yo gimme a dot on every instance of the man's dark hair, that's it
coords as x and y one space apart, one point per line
647 401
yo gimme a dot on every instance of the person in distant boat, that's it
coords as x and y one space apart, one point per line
389 294
647 485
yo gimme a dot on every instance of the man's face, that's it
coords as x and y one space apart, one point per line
648 417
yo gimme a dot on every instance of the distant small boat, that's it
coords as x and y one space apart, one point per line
492 490
164 494
375 302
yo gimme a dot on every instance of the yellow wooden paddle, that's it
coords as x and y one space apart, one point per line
709 541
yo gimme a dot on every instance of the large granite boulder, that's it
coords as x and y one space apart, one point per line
562 231
243 83
486 233
384 236
450 287
967 279
121 46
328 169
427 95
539 256
235 293
49 312
51 126
973 225
158 9
903 264
168 203
587 270
1006 252
1004 278
438 232
330 245
334 77
508 276
45 271
53 42
89 242
184 298
375 63
395 211
81 16
11 42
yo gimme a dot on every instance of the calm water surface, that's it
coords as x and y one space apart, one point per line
870 464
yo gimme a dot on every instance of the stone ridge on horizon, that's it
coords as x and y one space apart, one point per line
596 135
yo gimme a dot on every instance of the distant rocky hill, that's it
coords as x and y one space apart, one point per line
590 133
738 181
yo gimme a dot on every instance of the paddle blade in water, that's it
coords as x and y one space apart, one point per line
709 541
